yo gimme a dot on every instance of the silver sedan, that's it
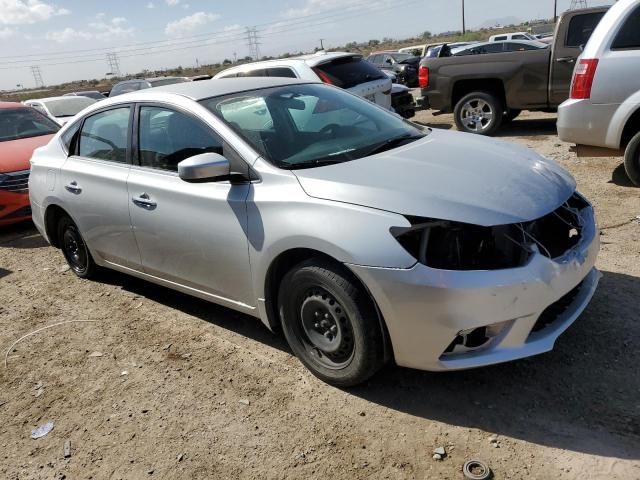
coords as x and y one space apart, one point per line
363 237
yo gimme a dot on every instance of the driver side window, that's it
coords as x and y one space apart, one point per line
166 137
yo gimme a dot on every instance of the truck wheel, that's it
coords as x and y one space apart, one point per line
511 114
632 159
478 112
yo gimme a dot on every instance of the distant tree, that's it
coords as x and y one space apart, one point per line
226 61
373 43
426 35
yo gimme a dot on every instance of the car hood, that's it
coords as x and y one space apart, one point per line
448 175
15 154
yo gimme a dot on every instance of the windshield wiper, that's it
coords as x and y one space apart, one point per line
393 142
317 162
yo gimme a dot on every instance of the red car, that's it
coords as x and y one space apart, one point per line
22 130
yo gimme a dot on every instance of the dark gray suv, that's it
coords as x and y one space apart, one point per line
127 86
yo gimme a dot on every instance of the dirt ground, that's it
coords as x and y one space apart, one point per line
161 385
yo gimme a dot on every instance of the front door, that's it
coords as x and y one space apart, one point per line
94 179
192 234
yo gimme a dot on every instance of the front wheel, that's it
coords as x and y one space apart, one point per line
632 159
478 112
75 249
330 323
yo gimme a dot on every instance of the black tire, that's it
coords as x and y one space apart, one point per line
75 249
470 113
510 115
632 159
345 350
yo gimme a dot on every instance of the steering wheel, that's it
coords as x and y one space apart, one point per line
330 128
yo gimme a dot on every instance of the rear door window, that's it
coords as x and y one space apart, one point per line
104 136
629 35
348 72
499 39
258 72
581 27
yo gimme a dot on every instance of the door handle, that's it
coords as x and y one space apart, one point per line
566 59
144 201
73 187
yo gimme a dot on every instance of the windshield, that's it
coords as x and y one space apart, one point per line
348 72
94 95
167 81
303 126
401 57
67 106
24 123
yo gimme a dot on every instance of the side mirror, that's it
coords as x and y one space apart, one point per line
388 60
206 167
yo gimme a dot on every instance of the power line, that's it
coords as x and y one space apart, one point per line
279 28
240 30
37 76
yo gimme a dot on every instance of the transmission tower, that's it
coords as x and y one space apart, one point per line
37 76
253 41
578 4
114 65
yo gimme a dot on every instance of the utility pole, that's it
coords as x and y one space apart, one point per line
37 76
464 30
114 64
253 41
321 44
555 11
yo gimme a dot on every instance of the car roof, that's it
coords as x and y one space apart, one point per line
208 88
7 105
311 59
47 99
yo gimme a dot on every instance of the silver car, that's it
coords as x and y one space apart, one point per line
364 237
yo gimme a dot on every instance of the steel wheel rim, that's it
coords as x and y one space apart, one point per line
325 330
476 115
75 250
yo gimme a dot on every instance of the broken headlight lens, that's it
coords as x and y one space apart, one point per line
451 245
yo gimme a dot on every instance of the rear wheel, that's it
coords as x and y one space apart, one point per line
75 249
632 159
330 323
478 112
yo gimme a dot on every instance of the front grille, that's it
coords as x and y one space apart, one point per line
556 309
21 212
17 182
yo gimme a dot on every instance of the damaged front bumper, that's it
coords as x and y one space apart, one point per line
430 312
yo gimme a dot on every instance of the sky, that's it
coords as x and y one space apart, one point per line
70 39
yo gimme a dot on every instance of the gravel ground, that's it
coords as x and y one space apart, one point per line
161 385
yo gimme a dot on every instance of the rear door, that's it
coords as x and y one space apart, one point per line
573 32
94 178
358 76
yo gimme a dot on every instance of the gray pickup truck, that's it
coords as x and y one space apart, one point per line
485 89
